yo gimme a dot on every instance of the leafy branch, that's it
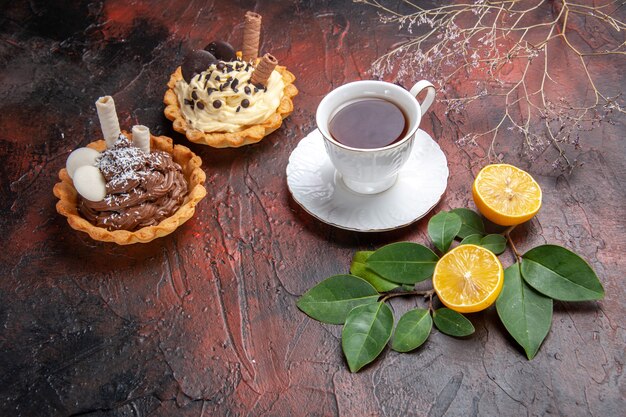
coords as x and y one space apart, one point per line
516 52
359 300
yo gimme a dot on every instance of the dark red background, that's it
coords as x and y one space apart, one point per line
203 322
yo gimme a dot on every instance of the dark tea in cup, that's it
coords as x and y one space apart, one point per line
369 129
368 123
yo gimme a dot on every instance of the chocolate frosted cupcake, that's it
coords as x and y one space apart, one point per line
225 99
129 188
142 189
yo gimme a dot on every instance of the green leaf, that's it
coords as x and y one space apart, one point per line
412 330
495 243
442 228
560 274
331 300
526 314
452 323
365 334
361 256
472 240
472 223
359 269
403 262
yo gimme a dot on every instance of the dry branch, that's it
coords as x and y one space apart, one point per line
517 52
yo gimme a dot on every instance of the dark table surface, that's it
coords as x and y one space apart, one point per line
203 322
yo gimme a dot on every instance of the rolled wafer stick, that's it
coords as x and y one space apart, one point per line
108 119
251 36
263 70
141 138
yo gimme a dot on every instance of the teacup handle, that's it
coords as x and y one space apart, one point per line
430 94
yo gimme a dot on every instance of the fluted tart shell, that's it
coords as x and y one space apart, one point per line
250 134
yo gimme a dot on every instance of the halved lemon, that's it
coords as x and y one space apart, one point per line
506 195
469 278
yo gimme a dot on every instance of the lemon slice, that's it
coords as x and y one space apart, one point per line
506 195
469 278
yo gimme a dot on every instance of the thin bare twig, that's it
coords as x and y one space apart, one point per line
387 296
512 51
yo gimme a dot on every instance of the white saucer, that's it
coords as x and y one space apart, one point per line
318 188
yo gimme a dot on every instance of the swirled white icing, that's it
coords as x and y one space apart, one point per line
212 103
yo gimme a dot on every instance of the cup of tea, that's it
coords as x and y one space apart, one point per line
369 129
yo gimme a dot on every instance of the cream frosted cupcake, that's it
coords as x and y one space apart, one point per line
226 99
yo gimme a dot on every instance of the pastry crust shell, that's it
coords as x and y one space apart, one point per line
194 175
251 134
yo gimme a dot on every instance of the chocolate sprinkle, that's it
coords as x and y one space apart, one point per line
233 85
217 78
194 95
238 108
189 103
246 90
217 104
200 105
245 103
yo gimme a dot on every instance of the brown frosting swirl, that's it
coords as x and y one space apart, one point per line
142 189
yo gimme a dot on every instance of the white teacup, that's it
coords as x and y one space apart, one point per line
371 171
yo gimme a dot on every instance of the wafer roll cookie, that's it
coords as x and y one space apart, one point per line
251 36
141 138
263 70
108 119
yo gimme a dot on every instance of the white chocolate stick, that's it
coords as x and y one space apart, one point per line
141 138
108 120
